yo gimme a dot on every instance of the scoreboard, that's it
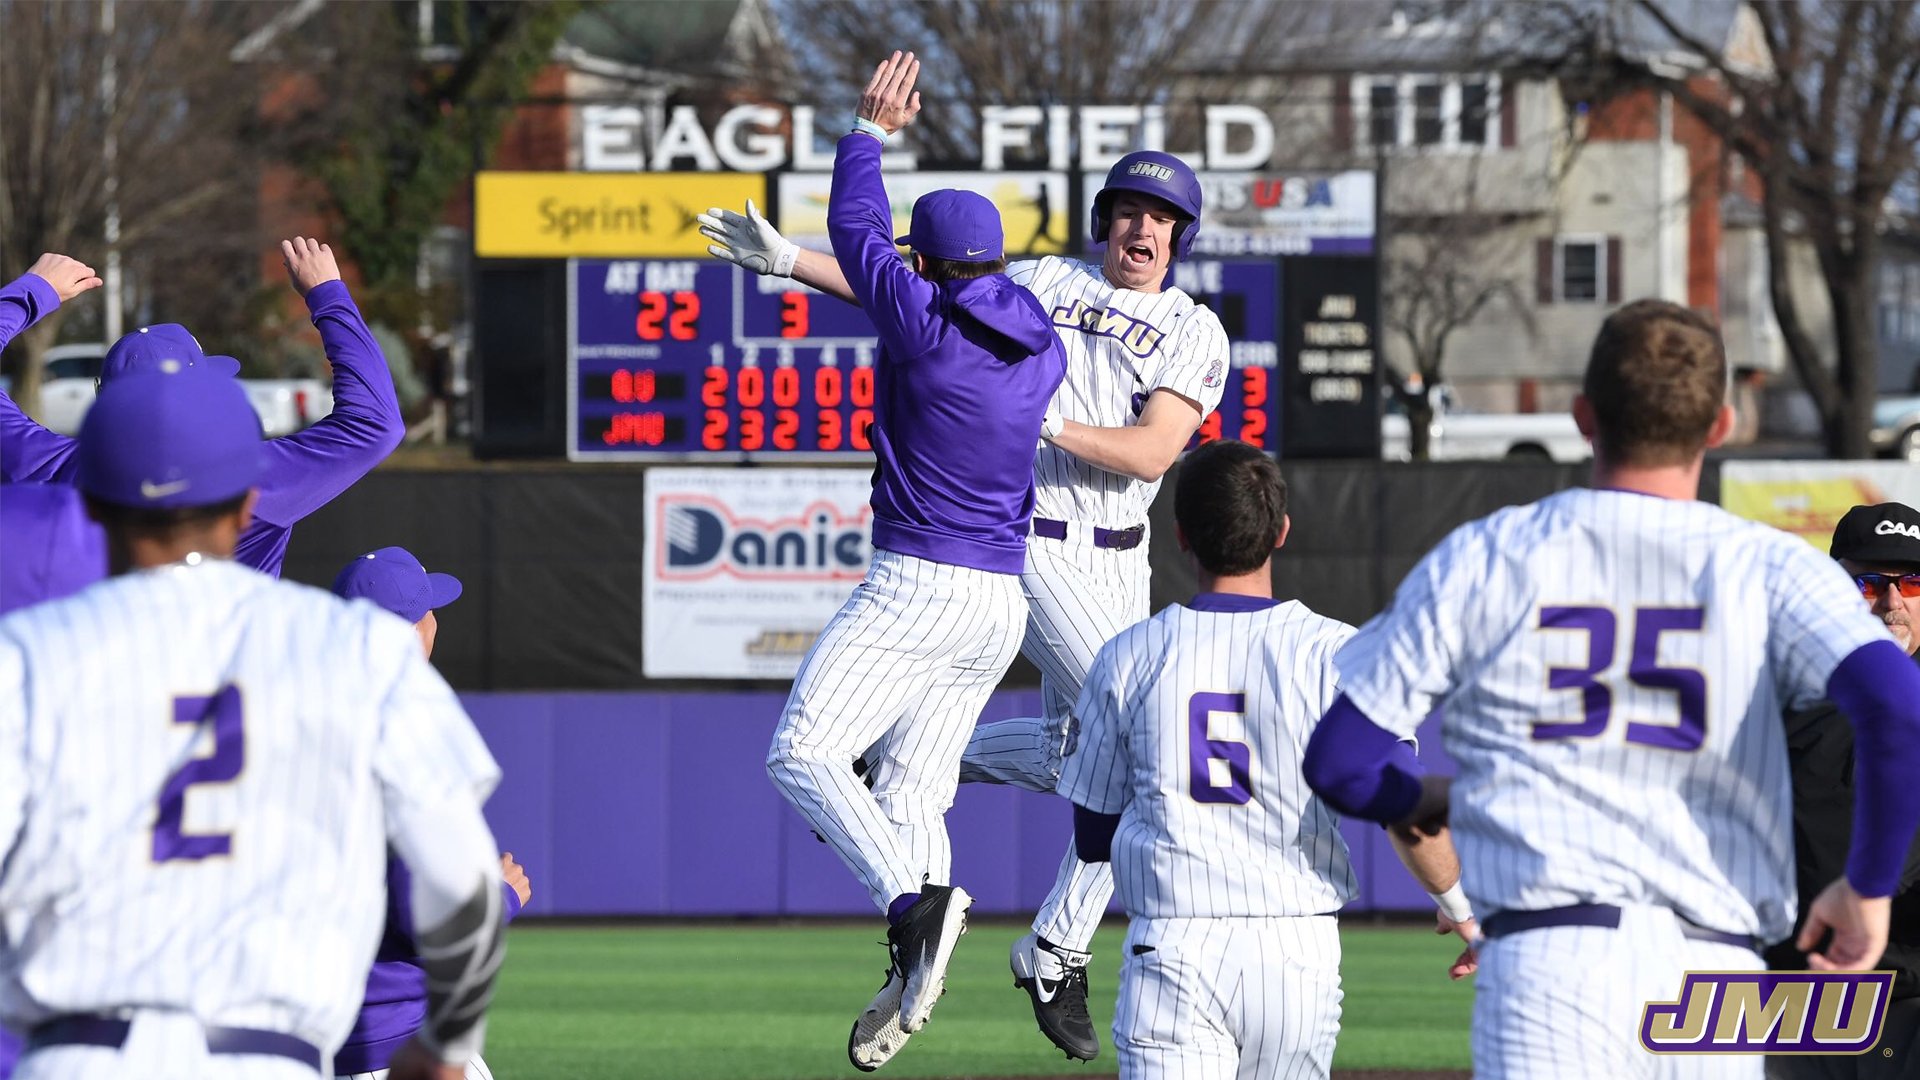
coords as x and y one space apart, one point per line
699 359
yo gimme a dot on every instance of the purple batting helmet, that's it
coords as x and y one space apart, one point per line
1161 175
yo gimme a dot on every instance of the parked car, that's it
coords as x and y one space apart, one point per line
1459 434
1896 427
71 379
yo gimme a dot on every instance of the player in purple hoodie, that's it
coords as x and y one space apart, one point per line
396 1002
305 470
967 364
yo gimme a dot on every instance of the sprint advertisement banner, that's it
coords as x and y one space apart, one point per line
744 566
1807 498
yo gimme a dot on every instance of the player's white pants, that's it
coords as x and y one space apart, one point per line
476 1070
159 1046
1078 598
1229 999
1566 1001
903 668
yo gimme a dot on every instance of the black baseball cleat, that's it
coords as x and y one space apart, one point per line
1056 980
923 943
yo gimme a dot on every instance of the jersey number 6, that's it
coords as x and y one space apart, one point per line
1688 685
221 713
1221 770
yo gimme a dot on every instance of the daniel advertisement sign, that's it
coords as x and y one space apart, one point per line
744 566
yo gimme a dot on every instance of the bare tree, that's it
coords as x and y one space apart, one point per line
1829 119
172 110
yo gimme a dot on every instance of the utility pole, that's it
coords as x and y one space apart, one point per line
110 153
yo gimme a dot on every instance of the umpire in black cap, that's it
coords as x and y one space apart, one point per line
1880 547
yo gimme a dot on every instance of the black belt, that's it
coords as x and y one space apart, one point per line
1503 923
1117 539
82 1030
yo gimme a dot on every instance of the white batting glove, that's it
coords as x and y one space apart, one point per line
1052 424
748 240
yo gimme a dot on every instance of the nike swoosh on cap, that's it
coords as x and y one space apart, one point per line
151 490
982 251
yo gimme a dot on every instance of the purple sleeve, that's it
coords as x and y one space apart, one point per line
27 450
1360 768
307 469
860 224
512 900
1877 687
1093 834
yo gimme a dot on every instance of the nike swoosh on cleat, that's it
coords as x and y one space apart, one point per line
1047 987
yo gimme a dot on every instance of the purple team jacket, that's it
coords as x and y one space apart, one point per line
396 1001
965 372
49 548
305 470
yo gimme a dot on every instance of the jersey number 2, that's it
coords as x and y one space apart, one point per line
1221 770
1688 685
221 713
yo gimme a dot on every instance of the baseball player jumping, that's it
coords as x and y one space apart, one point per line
1145 364
197 761
1186 775
1613 662
967 360
305 470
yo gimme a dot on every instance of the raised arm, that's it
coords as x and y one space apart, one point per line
308 468
750 241
27 450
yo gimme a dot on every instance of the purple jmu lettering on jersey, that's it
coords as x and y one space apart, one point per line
1238 756
1786 1012
222 713
1689 685
1139 338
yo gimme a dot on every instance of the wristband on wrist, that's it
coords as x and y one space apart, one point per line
1453 903
784 259
1052 424
867 127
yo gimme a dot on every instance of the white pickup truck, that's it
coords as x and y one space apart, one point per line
66 392
1461 435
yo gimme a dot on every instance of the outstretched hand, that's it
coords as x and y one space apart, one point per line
1468 961
309 263
69 276
890 99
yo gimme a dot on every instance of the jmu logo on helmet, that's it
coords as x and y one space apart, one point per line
1151 171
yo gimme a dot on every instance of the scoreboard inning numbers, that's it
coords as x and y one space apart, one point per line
700 359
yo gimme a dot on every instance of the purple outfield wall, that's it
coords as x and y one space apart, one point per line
658 804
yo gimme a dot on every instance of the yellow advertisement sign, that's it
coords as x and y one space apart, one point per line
1807 498
558 215
1033 205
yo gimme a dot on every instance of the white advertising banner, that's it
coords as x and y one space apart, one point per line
1807 498
744 566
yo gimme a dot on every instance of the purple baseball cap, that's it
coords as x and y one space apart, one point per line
167 347
963 226
394 579
164 441
49 548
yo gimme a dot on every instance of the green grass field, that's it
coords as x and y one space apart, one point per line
763 1001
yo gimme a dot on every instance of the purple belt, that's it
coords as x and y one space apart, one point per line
1503 923
1117 539
82 1030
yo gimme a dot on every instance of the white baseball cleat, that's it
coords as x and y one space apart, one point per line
923 943
877 1034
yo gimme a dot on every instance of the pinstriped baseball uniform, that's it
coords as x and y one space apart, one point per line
1121 345
196 763
1192 726
1613 668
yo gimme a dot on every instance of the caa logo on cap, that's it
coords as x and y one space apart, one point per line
1148 168
1895 528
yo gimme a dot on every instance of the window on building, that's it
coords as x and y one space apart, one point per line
1451 112
1580 269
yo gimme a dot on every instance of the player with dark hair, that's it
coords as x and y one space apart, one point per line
1186 776
396 995
1145 364
222 782
304 471
1613 662
967 365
